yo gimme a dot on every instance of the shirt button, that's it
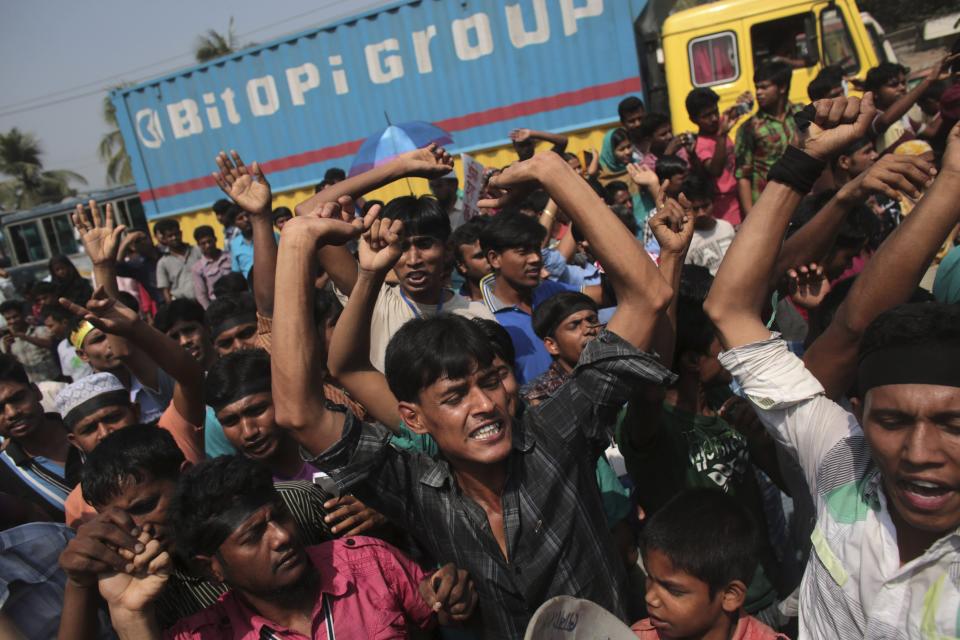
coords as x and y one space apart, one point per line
350 542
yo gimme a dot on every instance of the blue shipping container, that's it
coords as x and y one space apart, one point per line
476 68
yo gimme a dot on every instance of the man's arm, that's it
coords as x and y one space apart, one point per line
349 355
739 292
641 291
249 189
718 161
890 277
200 285
559 141
46 343
296 360
112 317
903 104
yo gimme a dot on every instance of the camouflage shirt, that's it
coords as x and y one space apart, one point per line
761 141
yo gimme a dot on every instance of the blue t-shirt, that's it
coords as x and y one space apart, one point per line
215 443
241 254
532 358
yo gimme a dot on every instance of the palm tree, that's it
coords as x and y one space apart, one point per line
28 184
111 149
213 44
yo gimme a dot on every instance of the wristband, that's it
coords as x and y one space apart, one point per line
797 170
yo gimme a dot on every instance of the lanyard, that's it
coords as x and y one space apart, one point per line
415 309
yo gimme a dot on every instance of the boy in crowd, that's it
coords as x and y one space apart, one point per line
280 217
712 235
441 371
231 523
631 112
884 478
212 265
226 213
468 257
174 275
33 346
673 170
60 323
696 589
657 139
444 189
827 84
36 453
857 157
232 323
714 148
765 136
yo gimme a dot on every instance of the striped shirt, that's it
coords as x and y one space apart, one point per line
556 533
185 594
853 586
36 479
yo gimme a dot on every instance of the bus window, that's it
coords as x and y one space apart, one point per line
713 59
59 234
838 49
792 40
27 243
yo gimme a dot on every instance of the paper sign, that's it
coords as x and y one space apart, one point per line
472 185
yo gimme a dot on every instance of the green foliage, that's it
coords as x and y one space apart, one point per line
28 184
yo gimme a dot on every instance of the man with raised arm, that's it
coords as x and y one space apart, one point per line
511 498
886 478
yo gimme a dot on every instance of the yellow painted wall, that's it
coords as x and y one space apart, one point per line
580 141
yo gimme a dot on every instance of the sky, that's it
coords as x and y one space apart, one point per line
58 58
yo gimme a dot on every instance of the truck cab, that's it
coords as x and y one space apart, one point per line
719 45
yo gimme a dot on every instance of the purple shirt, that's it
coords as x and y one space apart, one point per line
206 272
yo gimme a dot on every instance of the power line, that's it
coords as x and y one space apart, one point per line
37 102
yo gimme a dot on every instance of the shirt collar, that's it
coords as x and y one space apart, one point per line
486 289
791 109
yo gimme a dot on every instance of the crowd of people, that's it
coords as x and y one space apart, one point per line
688 386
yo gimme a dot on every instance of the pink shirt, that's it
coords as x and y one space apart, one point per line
372 591
748 628
726 206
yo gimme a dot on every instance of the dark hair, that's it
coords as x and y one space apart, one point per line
858 225
204 231
499 339
326 306
696 186
335 174
695 283
44 288
776 72
700 99
467 233
222 206
12 305
128 300
282 212
550 314
913 324
234 374
11 370
179 310
707 534
828 79
166 225
618 137
424 350
226 308
208 490
133 454
652 122
882 74
695 331
614 186
232 283
67 262
511 231
629 105
421 216
58 313
536 201
669 166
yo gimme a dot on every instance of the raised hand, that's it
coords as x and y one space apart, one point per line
350 517
380 246
837 123
520 178
951 157
943 69
330 223
672 223
808 285
431 161
891 175
104 544
246 186
98 233
135 590
642 175
520 135
105 313
450 593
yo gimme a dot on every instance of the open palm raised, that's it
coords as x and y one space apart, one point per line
245 185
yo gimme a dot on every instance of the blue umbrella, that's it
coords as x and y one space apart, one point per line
394 140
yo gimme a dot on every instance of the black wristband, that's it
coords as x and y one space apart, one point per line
797 170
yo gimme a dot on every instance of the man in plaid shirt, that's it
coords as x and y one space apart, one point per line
512 497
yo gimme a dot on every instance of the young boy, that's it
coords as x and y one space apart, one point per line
673 170
700 553
469 260
174 275
280 217
212 265
60 323
232 323
31 345
711 235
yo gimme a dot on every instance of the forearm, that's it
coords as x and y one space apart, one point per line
813 240
264 264
78 619
903 104
135 625
166 354
559 141
719 159
665 332
167 296
46 343
739 292
745 195
200 291
105 275
354 187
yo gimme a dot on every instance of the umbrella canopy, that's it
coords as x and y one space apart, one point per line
394 140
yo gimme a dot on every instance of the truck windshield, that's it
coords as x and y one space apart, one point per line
838 49
791 40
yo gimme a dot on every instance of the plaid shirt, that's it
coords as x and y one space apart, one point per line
854 585
556 533
761 141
